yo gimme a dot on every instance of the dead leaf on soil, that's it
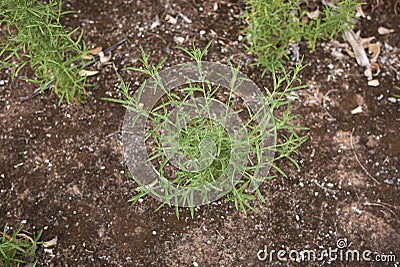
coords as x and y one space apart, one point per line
374 70
313 14
104 58
95 50
366 41
357 110
375 50
88 72
384 31
87 57
357 46
50 243
360 12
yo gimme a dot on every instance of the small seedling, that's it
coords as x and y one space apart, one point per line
191 137
34 36
16 249
275 25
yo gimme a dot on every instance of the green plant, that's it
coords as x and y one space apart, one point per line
190 138
273 25
397 88
34 36
15 249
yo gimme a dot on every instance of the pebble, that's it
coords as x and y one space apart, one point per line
179 40
195 264
392 99
154 232
330 66
171 19
373 83
357 110
2 82
202 32
389 181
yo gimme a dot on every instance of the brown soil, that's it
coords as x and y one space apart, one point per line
62 168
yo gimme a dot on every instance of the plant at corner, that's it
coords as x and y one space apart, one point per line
33 35
190 138
274 26
16 249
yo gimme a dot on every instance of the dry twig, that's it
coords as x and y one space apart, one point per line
355 155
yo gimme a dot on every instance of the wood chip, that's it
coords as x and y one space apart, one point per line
360 12
375 50
171 19
104 58
50 243
88 72
358 49
313 14
373 83
375 69
357 110
87 57
95 50
185 18
384 31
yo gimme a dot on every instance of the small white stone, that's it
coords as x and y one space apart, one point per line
392 99
202 32
171 19
330 66
357 110
179 40
154 232
195 264
373 83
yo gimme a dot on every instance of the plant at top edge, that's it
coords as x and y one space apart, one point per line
34 36
15 249
274 26
279 100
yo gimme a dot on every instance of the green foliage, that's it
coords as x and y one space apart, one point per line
16 250
398 89
279 99
275 24
34 36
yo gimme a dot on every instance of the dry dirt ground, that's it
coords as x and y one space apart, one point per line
62 168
